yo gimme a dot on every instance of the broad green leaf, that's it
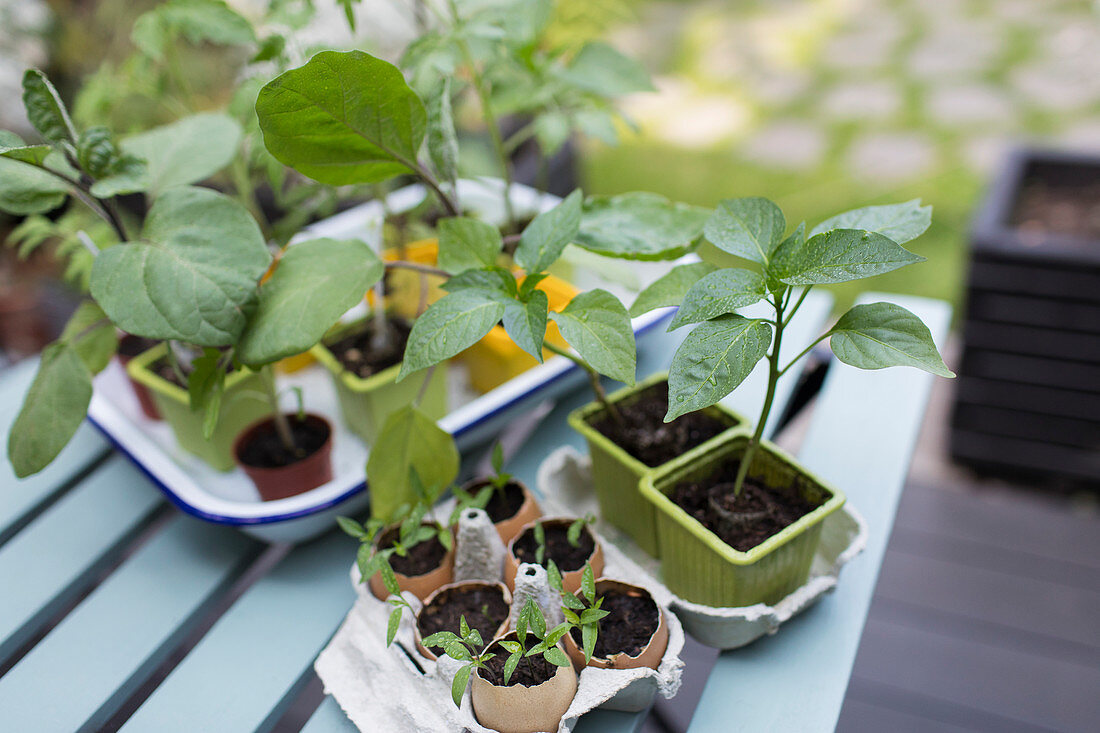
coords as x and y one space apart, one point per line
899 222
198 21
495 281
466 243
186 151
551 131
26 190
191 277
880 335
451 325
599 68
314 284
343 118
597 325
719 293
542 241
408 438
641 226
394 623
526 323
837 256
129 174
53 409
714 358
12 146
45 110
91 335
751 228
556 656
458 685
205 374
598 124
671 288
442 139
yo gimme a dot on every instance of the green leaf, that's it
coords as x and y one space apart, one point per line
463 627
391 627
511 646
571 601
592 615
597 325
557 657
458 685
751 228
553 576
53 409
641 226
389 579
457 651
192 276
45 110
440 639
510 666
880 335
466 244
96 151
91 335
589 632
496 282
714 358
198 21
343 118
451 325
536 621
314 284
599 68
719 293
187 151
525 323
13 147
551 131
26 189
129 174
204 374
839 255
545 237
351 527
588 584
408 438
671 288
442 139
898 222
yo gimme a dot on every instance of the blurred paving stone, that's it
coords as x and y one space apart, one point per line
788 144
871 49
1059 86
890 157
869 100
956 50
985 153
1084 135
967 104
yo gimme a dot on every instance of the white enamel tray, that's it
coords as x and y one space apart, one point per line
230 499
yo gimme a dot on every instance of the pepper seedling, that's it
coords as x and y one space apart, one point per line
584 612
531 622
468 648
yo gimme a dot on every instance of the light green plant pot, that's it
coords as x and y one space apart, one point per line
366 403
616 474
242 404
699 567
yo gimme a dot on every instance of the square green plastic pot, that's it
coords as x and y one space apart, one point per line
699 567
616 474
242 404
366 403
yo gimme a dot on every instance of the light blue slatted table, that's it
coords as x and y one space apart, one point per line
117 612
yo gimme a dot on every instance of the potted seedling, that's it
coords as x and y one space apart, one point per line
570 544
738 524
507 500
522 682
484 606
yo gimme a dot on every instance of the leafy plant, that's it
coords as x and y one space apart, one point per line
584 612
724 346
572 535
468 648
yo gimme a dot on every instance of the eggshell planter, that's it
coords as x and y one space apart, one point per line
440 595
701 568
570 580
519 709
650 655
242 405
527 513
617 475
294 478
420 586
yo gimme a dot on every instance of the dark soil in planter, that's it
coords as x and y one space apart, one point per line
771 508
265 450
529 672
627 628
483 607
422 558
645 435
504 505
1068 208
558 549
130 346
356 353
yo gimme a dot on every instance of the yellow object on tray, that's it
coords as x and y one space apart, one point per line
494 360
403 286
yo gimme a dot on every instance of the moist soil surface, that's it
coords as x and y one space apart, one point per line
504 505
773 508
356 353
645 435
265 450
558 549
627 628
1045 207
483 607
531 671
422 558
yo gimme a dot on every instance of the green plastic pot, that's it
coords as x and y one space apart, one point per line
242 404
366 403
616 474
699 567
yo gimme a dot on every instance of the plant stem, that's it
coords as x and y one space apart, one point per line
282 425
769 398
174 363
416 267
593 379
424 385
92 203
429 180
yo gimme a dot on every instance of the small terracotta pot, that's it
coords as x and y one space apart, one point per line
650 655
292 479
528 511
145 399
570 580
439 595
520 709
421 586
